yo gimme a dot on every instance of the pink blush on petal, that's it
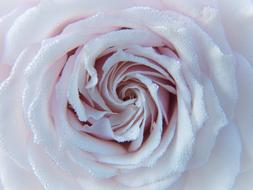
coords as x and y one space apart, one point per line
4 71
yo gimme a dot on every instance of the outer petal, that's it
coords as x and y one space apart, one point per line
48 172
13 130
244 109
224 164
237 17
206 14
244 181
8 6
34 28
13 177
4 71
6 22
207 135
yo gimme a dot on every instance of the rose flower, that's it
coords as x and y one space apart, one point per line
126 95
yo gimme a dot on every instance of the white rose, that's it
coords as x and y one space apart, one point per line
134 94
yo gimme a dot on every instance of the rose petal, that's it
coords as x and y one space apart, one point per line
93 168
190 40
5 24
13 130
47 172
8 6
206 136
244 109
153 140
207 14
222 167
244 181
13 176
68 134
173 161
239 27
4 71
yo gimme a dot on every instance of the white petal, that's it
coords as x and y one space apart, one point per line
35 29
221 169
4 71
237 17
244 181
152 141
5 24
46 170
194 46
206 136
13 177
70 135
13 130
8 6
244 109
206 14
198 108
37 113
91 167
173 161
120 39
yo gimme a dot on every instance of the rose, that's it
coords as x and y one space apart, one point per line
205 66
126 95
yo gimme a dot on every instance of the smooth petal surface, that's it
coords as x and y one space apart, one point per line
13 177
239 29
244 181
8 6
222 168
244 110
47 172
4 71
